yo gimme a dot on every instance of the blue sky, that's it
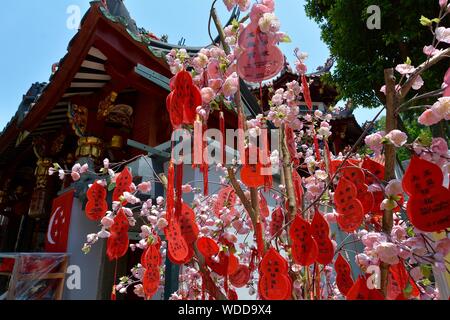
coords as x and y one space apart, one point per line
35 35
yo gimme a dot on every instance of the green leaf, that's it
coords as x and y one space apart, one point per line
408 290
426 282
410 232
111 186
436 20
408 61
426 270
425 21
425 138
286 39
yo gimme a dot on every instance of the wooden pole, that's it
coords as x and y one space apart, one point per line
392 102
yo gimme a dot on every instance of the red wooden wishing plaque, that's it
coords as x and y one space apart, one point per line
321 233
123 184
429 204
274 281
261 59
96 206
117 244
304 247
184 99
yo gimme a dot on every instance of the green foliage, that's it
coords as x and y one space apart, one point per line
362 54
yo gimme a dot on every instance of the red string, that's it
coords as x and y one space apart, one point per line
224 142
113 293
179 191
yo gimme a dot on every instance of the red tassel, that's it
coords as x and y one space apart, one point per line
316 146
265 159
307 93
259 239
205 166
113 293
170 192
224 141
328 153
241 137
198 142
179 191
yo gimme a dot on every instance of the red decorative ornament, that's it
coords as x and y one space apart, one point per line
304 247
306 93
276 224
321 233
151 261
240 277
344 279
298 188
96 206
188 226
207 247
428 207
184 99
402 279
123 184
360 291
263 207
117 244
375 171
251 175
226 199
274 282
261 59
178 249
350 209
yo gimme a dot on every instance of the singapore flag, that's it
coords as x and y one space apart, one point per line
58 226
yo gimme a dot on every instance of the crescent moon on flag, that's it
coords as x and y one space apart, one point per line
50 226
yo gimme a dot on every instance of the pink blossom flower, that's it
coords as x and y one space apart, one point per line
145 187
442 108
439 146
405 69
387 252
51 171
187 188
398 233
229 4
208 95
244 5
103 234
394 188
397 138
443 246
429 118
162 223
231 85
375 142
107 222
269 23
418 83
331 217
443 3
429 50
370 239
75 176
443 34
416 273
76 168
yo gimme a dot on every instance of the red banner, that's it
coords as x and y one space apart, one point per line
58 227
